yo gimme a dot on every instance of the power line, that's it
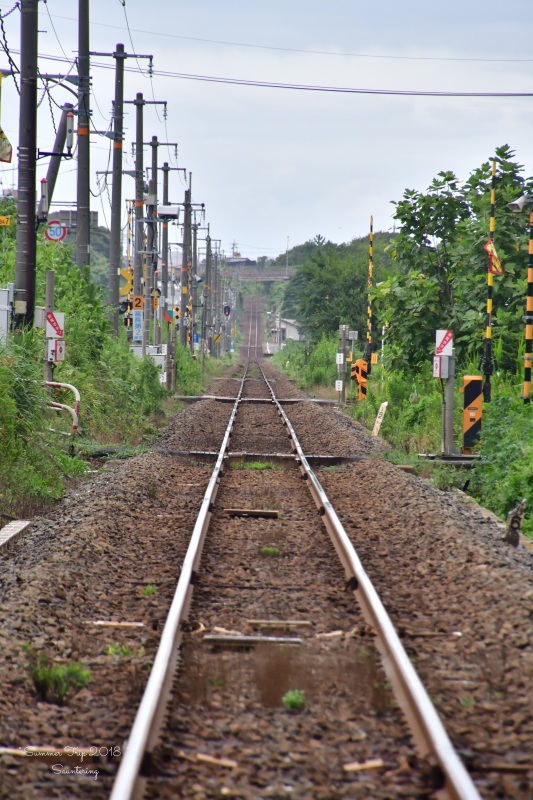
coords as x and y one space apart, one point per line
310 52
307 87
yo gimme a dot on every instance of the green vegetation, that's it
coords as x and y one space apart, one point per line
122 399
149 590
431 274
55 683
116 649
270 551
294 700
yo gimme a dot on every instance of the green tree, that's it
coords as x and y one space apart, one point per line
441 267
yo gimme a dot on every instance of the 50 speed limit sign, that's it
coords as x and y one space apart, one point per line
55 231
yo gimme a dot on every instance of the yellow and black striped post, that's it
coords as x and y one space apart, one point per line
528 319
359 373
472 411
367 355
486 360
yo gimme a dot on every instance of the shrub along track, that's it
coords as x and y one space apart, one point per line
437 560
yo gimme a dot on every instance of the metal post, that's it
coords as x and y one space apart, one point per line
48 371
448 447
55 161
116 189
25 266
341 367
83 195
528 318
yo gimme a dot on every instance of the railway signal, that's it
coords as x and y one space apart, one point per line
227 311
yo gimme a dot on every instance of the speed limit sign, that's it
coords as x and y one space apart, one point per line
55 232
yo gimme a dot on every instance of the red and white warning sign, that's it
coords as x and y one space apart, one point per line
55 324
56 350
444 343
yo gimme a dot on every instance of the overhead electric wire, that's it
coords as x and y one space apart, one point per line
305 51
307 87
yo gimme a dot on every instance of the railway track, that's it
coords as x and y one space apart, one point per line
459 599
274 613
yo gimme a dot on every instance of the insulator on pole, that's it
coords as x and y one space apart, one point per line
70 132
43 206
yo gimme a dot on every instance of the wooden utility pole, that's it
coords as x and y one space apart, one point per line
25 263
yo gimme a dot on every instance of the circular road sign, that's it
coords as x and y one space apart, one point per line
55 232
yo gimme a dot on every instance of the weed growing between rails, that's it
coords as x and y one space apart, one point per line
55 683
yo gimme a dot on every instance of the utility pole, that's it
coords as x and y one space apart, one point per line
25 264
64 135
140 252
194 282
115 261
138 244
207 290
151 244
83 194
116 188
185 263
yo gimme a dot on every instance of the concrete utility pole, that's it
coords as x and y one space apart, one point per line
25 264
138 237
185 264
151 243
115 262
206 294
83 194
164 245
116 188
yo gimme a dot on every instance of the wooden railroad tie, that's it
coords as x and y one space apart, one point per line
251 512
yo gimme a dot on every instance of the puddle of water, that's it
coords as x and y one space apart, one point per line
265 674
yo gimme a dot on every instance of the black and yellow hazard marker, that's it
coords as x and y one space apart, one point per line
472 411
369 318
528 319
486 360
359 373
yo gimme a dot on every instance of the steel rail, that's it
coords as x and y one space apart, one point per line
149 717
429 734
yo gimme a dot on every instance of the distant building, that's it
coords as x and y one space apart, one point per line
239 261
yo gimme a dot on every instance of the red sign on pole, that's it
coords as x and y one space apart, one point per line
55 324
444 343
55 232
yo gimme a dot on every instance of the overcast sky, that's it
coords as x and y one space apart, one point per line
272 163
